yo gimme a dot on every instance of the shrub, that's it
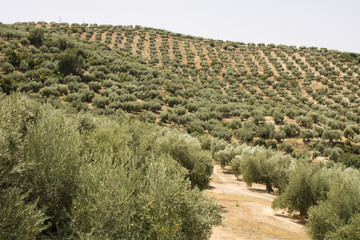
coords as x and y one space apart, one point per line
331 135
63 90
307 135
287 147
291 130
272 145
51 81
340 209
20 219
225 156
349 132
304 189
259 142
335 154
258 117
7 67
278 117
100 102
35 86
265 131
52 146
71 62
261 165
71 78
350 160
154 105
235 124
187 152
222 133
279 136
36 37
129 202
49 91
64 178
147 117
94 86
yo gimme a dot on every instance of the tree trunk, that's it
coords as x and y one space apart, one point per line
269 187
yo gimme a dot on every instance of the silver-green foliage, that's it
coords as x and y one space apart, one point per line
66 176
20 218
338 214
261 165
186 150
306 186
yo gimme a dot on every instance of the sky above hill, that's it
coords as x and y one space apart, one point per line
333 24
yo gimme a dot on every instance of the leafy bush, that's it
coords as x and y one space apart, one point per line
291 130
49 91
306 186
19 218
71 61
261 165
66 177
350 160
7 67
222 133
287 147
101 102
36 37
187 152
226 156
331 216
94 86
147 117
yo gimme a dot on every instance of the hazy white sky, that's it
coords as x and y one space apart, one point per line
333 24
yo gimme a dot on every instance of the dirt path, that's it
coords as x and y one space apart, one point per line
247 211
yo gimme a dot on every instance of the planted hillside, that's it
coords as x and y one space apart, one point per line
294 99
110 132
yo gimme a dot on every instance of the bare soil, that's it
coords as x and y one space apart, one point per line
182 50
134 45
196 57
103 37
122 44
113 39
83 35
205 51
146 50
158 40
306 63
171 48
92 38
262 54
247 211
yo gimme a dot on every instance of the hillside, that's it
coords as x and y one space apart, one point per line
124 124
303 98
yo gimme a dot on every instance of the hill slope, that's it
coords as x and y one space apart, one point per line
304 98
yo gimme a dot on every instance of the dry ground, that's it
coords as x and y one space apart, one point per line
247 211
